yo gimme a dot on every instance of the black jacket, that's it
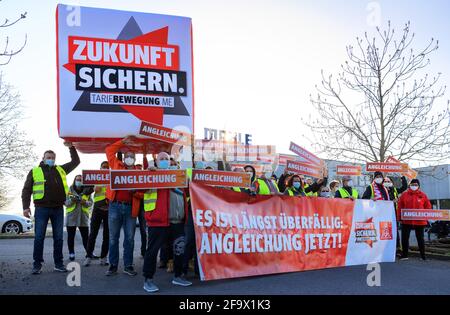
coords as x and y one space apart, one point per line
403 188
54 196
368 192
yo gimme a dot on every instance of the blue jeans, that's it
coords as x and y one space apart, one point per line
56 216
120 216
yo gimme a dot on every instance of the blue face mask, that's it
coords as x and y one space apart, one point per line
78 183
163 164
199 165
296 185
49 162
173 167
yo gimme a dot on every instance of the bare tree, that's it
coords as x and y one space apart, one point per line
6 53
16 151
382 103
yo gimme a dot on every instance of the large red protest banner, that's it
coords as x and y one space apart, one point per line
425 214
238 235
95 177
126 180
410 173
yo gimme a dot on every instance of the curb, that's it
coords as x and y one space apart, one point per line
21 236
430 255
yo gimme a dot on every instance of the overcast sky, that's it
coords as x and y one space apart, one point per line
256 62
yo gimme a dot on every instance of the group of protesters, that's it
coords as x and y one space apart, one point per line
164 215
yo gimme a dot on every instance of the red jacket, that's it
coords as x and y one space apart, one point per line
413 200
116 164
160 216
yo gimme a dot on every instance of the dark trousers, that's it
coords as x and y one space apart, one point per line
71 230
142 229
157 236
56 217
190 249
98 217
406 230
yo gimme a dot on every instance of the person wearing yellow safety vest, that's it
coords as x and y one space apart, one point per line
295 186
99 217
166 212
347 191
78 209
376 190
309 182
265 185
48 185
253 181
240 189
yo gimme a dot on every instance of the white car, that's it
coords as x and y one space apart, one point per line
14 224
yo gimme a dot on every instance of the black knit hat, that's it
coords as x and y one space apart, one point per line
377 174
415 181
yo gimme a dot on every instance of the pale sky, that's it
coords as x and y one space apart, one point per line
256 62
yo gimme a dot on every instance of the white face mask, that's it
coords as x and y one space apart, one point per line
378 180
350 183
388 185
129 161
414 188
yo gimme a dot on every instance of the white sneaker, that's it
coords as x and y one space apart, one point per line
103 262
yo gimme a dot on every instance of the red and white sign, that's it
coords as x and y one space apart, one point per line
95 177
220 178
410 173
165 134
425 214
238 237
387 167
283 158
348 170
304 169
135 179
305 154
259 168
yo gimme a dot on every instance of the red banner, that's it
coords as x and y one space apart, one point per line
219 178
95 177
387 167
305 154
127 180
304 169
348 170
425 214
165 134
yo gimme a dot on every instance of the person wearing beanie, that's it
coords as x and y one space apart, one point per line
376 190
413 198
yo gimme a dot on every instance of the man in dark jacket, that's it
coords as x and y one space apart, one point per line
376 190
47 183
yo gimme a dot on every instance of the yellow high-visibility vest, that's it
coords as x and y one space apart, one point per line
264 188
150 198
74 205
39 182
101 195
344 193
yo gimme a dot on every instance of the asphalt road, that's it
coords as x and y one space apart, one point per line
406 277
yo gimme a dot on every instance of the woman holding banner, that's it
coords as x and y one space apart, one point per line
413 198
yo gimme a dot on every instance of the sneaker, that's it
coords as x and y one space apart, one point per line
95 257
60 268
111 271
130 271
403 257
149 286
104 262
72 257
87 262
181 281
36 270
